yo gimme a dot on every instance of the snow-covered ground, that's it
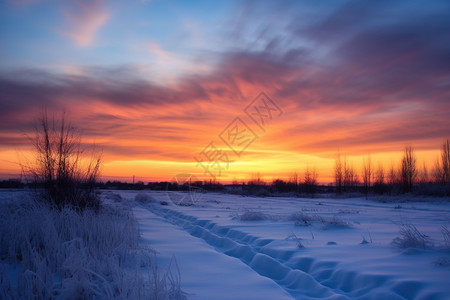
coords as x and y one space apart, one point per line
234 247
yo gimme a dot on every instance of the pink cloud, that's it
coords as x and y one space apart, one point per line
85 18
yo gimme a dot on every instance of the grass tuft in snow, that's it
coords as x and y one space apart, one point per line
47 253
411 237
296 239
250 215
113 196
442 261
304 219
299 218
335 222
446 236
144 198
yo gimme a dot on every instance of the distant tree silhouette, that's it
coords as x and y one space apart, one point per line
423 174
408 169
379 185
294 181
441 170
392 179
256 179
350 176
338 173
445 162
310 180
367 174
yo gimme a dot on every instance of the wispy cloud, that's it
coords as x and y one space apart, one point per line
84 19
355 78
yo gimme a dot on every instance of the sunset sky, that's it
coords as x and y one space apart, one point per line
158 85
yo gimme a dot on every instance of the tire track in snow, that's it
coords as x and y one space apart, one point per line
250 250
301 277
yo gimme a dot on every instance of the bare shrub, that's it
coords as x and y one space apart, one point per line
297 240
252 216
144 198
65 169
335 221
113 196
303 219
442 261
446 236
411 237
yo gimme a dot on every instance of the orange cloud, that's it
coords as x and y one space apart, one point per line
155 130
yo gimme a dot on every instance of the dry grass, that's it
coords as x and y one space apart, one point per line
47 254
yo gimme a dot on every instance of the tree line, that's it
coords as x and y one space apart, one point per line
407 177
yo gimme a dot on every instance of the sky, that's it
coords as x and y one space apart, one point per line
226 89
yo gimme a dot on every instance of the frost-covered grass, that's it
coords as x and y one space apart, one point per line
296 239
446 236
144 198
299 218
47 253
335 222
411 237
251 215
304 219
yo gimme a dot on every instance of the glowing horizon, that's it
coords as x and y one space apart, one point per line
153 83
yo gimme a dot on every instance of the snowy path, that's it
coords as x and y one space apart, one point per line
249 250
222 258
205 273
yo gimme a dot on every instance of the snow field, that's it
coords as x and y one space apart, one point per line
225 247
348 251
205 273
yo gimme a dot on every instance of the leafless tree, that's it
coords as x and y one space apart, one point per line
392 178
310 180
350 176
367 174
441 169
436 172
346 170
379 185
424 176
338 173
379 174
256 179
445 162
408 169
65 169
294 180
392 175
